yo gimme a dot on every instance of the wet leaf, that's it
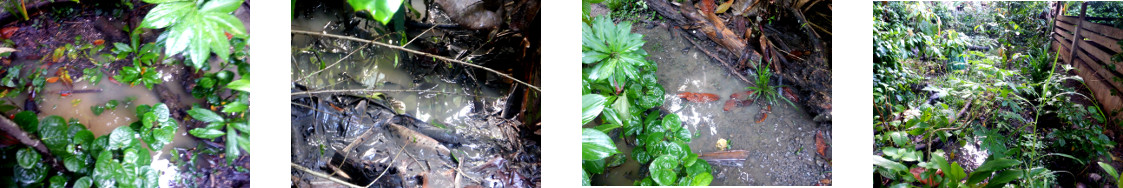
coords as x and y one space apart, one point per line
671 123
663 170
723 7
206 133
236 106
27 121
167 13
111 105
232 151
591 106
53 131
1110 170
702 179
75 163
593 166
106 170
242 84
381 10
596 145
121 138
27 157
97 109
888 164
585 178
607 128
58 182
84 182
1004 177
205 115
28 176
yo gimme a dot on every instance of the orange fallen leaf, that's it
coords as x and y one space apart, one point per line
99 42
7 32
724 7
698 97
52 79
821 144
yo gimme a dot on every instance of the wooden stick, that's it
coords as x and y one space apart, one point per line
416 52
715 57
322 175
10 127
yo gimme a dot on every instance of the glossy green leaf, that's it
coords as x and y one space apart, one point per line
28 158
607 128
593 166
1000 179
888 164
702 179
236 106
1110 170
596 145
232 151
75 163
105 170
205 115
221 6
83 182
53 131
381 10
28 176
585 181
121 138
664 170
162 113
27 121
166 14
206 133
58 182
242 84
591 106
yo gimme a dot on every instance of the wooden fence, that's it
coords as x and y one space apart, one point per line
1091 54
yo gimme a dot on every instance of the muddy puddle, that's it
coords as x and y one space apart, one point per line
782 149
378 97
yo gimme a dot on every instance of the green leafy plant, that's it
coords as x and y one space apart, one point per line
235 130
614 49
764 90
196 27
115 160
620 87
1111 171
381 10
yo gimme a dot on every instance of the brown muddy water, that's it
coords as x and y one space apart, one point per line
781 149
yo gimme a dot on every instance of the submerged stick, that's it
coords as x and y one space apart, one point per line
416 52
732 157
322 175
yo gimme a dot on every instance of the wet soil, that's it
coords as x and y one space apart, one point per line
55 25
782 149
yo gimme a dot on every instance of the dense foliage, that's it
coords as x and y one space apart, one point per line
994 86
620 87
119 159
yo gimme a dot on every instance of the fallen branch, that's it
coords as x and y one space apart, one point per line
24 137
416 52
333 64
322 175
718 58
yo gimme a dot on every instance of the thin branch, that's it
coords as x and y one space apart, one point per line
400 151
415 52
322 175
718 58
337 91
333 64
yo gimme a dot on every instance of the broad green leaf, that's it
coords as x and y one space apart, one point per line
28 158
221 6
596 145
121 138
27 176
664 169
53 132
232 151
228 23
1110 170
623 107
162 113
105 170
166 14
671 123
1000 179
381 10
236 106
997 164
702 179
886 163
199 49
591 106
242 84
204 115
75 164
206 133
593 166
27 121
83 182
585 181
244 142
607 128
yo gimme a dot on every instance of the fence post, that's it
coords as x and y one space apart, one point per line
1076 33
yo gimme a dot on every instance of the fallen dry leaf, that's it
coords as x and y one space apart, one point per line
821 144
7 32
724 7
6 50
698 97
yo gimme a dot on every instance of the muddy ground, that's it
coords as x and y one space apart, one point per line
56 24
